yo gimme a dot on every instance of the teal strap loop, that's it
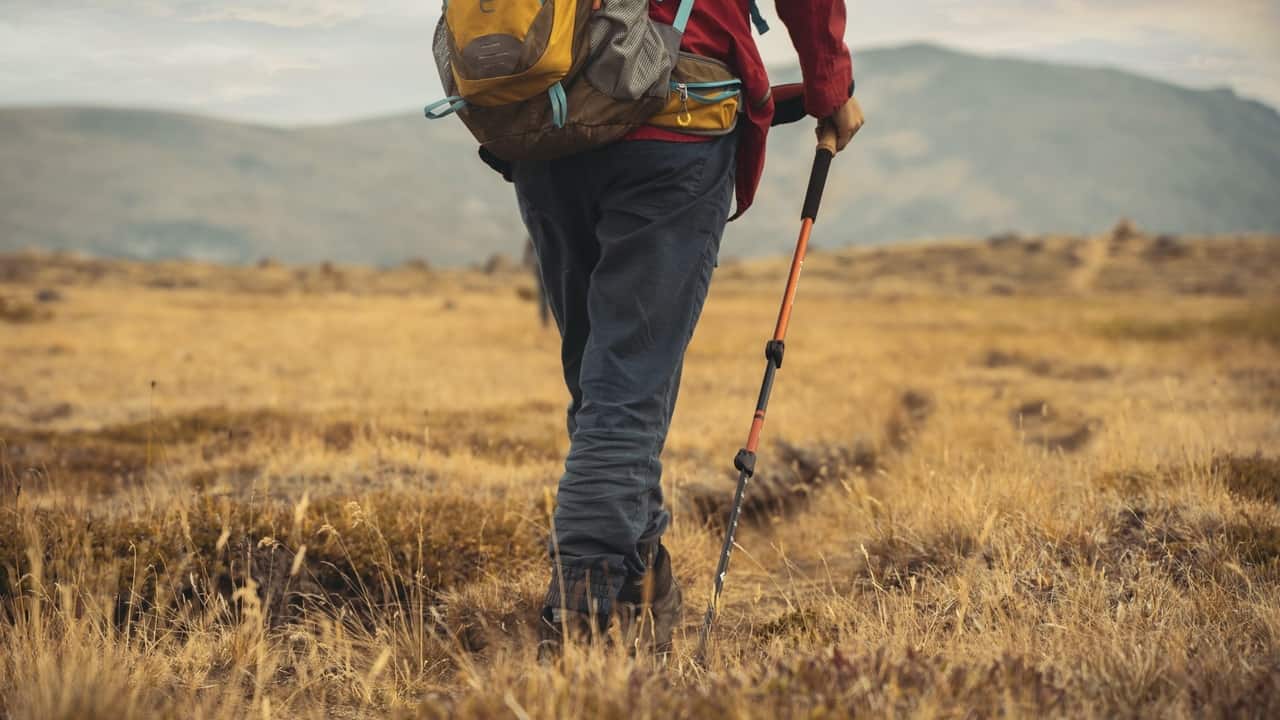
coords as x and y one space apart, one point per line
717 97
559 105
724 89
682 16
757 19
714 83
450 105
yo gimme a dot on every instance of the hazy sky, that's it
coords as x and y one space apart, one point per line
303 61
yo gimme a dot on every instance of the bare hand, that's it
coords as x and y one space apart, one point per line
844 123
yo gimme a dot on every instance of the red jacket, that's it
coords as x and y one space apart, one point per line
721 29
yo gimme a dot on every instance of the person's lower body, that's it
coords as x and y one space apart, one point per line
626 237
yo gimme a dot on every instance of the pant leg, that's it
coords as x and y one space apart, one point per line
659 212
561 218
663 207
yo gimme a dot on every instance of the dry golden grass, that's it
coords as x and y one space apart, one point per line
998 483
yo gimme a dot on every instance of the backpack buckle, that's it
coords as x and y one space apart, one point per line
685 117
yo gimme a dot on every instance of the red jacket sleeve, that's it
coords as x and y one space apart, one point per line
817 32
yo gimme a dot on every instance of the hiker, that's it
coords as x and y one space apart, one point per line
627 233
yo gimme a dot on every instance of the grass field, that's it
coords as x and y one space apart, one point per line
1026 477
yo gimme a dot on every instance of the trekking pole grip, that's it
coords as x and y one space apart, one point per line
818 176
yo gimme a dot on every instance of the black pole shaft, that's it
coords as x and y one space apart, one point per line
745 462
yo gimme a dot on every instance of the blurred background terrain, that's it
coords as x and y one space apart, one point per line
956 145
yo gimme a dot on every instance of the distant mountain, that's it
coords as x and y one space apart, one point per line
955 144
151 185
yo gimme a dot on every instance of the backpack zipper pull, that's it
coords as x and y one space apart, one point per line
684 118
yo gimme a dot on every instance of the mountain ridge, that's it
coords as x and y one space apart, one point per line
956 145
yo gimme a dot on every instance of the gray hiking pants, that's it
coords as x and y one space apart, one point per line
626 237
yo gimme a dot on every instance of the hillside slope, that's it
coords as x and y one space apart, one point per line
955 144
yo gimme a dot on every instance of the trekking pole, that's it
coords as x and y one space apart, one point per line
745 462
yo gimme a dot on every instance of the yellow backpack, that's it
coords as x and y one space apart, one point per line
538 79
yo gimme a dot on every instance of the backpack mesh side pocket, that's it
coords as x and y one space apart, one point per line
631 57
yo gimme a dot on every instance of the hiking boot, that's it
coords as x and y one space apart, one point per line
578 614
648 607
557 626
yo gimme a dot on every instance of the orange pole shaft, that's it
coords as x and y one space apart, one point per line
793 281
757 426
784 318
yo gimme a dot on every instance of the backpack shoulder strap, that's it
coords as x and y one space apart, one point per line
682 16
757 19
686 8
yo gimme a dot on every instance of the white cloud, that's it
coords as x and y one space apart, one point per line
283 14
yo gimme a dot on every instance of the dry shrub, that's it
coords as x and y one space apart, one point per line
799 622
1254 477
898 561
1248 477
17 312
1043 367
328 553
102 460
1256 542
1140 539
783 485
526 432
1131 481
1149 330
1052 427
908 418
1153 537
1257 324
1215 689
820 684
789 476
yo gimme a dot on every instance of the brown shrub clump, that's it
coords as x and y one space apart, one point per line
15 311
328 554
